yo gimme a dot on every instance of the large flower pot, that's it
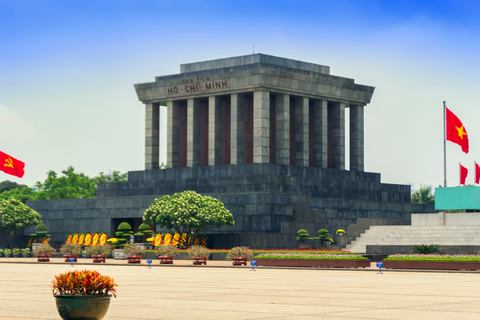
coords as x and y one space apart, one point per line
88 307
134 258
43 258
98 258
68 256
166 259
199 260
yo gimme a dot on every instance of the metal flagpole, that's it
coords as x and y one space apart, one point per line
475 166
444 146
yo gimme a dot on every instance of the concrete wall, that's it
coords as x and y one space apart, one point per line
447 219
269 202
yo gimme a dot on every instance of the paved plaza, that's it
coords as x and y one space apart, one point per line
220 291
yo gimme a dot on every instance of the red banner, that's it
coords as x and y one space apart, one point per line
463 174
477 173
456 132
10 165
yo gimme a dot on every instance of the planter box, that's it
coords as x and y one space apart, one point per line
313 263
432 265
68 256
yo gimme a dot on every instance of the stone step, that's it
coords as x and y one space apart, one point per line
415 235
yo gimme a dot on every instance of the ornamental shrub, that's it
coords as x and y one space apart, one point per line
425 248
303 236
70 248
105 249
83 282
166 250
198 251
244 252
323 237
43 248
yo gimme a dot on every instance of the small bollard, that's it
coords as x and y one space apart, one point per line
253 263
149 261
380 266
71 262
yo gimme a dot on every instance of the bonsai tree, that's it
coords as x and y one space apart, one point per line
188 213
70 248
131 249
323 237
41 233
166 250
198 251
244 252
43 248
14 218
123 233
144 231
303 237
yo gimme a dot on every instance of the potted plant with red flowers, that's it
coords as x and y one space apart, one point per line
99 252
166 253
198 254
239 255
131 250
70 250
83 294
43 252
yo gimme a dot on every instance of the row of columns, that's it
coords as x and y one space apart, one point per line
258 127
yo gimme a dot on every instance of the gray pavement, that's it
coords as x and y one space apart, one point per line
221 291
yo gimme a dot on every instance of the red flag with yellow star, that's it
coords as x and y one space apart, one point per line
10 165
456 132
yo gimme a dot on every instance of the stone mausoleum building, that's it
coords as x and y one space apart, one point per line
266 136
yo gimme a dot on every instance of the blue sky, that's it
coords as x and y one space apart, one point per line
67 70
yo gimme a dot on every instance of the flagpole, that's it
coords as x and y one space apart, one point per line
444 147
475 166
460 174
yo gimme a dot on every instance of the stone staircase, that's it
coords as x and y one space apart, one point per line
456 235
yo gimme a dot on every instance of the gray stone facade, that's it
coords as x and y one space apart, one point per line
263 134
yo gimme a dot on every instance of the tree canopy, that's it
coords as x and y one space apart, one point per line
188 212
423 195
70 185
15 217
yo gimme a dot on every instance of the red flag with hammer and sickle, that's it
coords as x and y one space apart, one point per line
10 165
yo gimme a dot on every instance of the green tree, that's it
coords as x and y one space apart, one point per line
22 195
9 185
424 195
14 218
73 185
188 212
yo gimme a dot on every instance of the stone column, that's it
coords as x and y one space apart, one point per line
173 139
214 131
261 126
237 128
283 129
301 131
356 138
338 135
320 133
193 133
152 136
